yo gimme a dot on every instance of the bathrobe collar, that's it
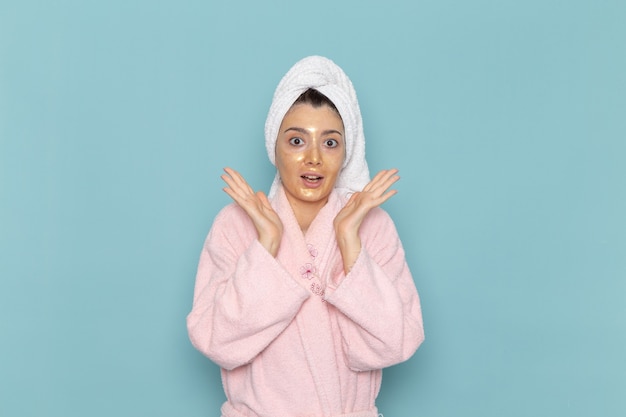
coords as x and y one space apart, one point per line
315 249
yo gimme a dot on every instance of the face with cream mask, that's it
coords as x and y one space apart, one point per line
310 150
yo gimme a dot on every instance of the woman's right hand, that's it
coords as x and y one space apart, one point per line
257 206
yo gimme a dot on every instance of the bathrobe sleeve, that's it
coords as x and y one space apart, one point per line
379 313
243 297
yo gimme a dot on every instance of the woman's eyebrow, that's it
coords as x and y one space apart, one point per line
330 131
297 129
306 132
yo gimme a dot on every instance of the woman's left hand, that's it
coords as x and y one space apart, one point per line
349 219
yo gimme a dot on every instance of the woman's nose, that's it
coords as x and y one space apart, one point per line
313 156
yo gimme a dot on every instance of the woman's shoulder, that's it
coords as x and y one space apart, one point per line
232 217
229 210
378 215
378 224
231 228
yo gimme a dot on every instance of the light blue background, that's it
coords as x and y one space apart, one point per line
507 120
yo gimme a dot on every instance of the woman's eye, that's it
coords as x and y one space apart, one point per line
295 141
331 143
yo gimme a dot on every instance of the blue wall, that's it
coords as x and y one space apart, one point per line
507 120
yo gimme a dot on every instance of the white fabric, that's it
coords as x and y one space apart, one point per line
325 76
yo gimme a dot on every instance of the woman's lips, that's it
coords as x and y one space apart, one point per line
312 180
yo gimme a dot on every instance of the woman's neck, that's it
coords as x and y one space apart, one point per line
305 213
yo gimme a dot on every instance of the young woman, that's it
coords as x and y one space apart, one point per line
303 296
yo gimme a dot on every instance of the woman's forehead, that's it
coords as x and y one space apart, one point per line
307 116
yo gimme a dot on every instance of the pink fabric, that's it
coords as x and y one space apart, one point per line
293 334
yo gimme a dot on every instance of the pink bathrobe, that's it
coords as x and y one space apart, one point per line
294 335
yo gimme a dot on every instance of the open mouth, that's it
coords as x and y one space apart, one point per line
311 178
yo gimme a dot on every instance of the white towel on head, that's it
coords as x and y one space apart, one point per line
325 76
